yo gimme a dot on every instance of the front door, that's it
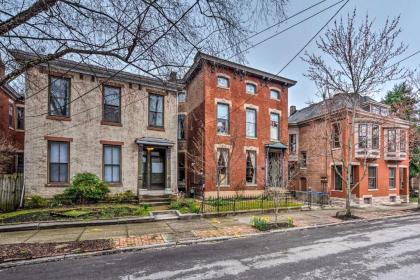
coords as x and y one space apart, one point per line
154 168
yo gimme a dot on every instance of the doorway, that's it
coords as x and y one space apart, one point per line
154 168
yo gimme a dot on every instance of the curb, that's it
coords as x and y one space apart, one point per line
189 242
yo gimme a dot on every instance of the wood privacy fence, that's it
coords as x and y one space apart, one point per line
11 187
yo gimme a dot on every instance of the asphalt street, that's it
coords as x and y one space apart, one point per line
386 249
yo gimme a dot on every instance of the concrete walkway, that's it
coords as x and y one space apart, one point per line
161 232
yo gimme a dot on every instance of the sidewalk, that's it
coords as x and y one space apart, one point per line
50 242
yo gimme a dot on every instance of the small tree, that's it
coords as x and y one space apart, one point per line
357 61
277 182
7 152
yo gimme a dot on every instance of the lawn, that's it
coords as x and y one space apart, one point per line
88 212
238 205
413 199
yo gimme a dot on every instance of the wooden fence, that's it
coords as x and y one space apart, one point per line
11 187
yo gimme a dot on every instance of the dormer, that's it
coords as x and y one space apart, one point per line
376 108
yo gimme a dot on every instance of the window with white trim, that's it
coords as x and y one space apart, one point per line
112 163
292 143
58 155
274 126
274 94
363 133
391 177
251 122
372 177
20 118
251 88
222 118
375 136
392 140
251 167
403 144
10 113
222 82
223 166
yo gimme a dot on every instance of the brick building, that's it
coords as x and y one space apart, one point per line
83 118
12 128
234 120
318 150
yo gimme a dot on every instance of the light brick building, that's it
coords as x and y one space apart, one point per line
12 127
318 137
117 125
235 121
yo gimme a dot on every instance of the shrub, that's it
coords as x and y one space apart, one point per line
59 200
86 187
127 196
143 210
290 221
260 223
36 201
185 206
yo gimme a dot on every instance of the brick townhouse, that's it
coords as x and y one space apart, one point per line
318 137
12 127
233 120
83 118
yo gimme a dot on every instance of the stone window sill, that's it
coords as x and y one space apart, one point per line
111 123
59 118
57 185
115 185
157 128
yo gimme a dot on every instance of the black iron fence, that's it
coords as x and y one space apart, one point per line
310 198
240 203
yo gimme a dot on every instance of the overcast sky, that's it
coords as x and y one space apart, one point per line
272 55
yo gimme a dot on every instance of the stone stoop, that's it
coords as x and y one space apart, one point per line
155 200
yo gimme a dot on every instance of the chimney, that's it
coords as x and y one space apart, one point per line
292 110
173 76
2 69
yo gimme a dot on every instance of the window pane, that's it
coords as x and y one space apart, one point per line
251 88
108 173
115 155
112 96
222 111
115 173
54 172
274 131
59 96
63 152
222 82
20 118
107 155
63 172
222 118
274 94
54 152
251 119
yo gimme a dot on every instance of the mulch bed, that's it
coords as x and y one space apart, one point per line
23 251
347 218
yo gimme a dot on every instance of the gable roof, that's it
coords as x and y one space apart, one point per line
200 57
337 102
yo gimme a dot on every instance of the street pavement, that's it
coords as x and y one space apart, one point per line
383 249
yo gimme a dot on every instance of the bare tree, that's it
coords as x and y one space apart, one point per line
7 152
149 36
277 182
356 61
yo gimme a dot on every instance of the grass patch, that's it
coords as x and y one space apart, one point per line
413 199
185 206
105 211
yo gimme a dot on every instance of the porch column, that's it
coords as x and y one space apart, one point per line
140 180
168 170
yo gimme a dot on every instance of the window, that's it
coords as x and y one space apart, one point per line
372 174
223 166
274 94
20 118
251 122
112 164
251 167
362 136
303 159
353 175
112 104
292 143
375 136
403 141
59 99
375 109
58 155
222 118
384 111
10 112
338 182
181 127
182 96
392 139
274 126
222 82
251 88
402 177
181 168
391 177
19 163
336 135
156 110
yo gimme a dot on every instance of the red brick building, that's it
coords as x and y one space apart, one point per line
11 128
233 119
318 151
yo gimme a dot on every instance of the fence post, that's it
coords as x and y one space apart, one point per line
310 199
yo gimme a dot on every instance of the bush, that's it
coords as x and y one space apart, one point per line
143 210
36 201
59 200
260 223
124 197
185 206
290 221
86 187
